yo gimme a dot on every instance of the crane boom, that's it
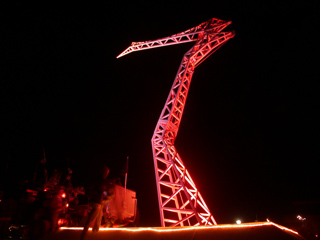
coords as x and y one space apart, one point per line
192 34
180 202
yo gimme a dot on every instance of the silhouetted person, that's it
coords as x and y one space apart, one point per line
56 206
41 220
97 196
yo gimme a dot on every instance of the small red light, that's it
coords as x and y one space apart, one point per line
46 189
63 195
62 221
67 205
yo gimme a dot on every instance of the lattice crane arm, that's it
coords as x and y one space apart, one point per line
192 34
180 202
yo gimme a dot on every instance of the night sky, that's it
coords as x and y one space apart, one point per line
249 134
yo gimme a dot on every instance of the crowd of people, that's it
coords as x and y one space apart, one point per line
39 207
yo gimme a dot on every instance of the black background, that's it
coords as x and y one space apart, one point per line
249 134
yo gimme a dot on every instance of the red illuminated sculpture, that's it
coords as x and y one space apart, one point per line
180 202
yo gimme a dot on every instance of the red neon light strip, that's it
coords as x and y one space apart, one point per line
188 228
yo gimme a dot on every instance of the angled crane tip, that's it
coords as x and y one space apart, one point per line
125 52
120 55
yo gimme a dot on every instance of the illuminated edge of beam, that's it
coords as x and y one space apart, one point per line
188 228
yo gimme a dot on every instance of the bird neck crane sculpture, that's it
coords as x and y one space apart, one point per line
180 202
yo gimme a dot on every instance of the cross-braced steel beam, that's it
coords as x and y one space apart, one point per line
180 202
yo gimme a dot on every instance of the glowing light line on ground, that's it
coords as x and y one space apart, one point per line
284 228
189 228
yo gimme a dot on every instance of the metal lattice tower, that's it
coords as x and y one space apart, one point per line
180 202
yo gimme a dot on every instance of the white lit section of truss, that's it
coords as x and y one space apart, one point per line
180 202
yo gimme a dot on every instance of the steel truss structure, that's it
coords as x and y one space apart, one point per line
180 202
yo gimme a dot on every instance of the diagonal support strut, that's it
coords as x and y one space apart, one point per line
180 202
